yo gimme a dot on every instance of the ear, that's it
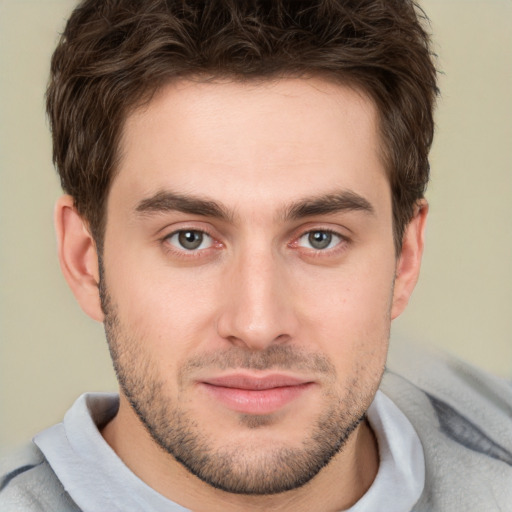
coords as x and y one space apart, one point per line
78 257
409 262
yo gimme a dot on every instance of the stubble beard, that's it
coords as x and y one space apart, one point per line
233 468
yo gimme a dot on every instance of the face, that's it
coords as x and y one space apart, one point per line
247 276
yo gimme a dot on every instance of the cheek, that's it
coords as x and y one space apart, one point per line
348 313
167 309
358 298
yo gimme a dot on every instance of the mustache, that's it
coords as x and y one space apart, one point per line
281 357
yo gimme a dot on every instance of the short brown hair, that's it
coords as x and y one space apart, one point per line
114 54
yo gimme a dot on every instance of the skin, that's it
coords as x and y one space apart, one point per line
256 297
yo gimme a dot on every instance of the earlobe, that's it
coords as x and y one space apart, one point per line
78 257
409 262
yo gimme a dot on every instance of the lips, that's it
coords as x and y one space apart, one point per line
253 394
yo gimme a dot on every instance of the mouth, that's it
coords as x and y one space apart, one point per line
249 394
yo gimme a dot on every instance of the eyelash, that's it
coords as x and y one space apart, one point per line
294 244
184 253
329 251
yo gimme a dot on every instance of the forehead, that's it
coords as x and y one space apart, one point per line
267 140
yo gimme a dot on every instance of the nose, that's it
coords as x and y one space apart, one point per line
257 303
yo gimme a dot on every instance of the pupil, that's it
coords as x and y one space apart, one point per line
320 239
190 239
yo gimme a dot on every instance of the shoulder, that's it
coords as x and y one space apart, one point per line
463 417
28 483
444 379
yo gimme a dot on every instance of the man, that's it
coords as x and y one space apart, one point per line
245 214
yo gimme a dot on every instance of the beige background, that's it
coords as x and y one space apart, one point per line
50 352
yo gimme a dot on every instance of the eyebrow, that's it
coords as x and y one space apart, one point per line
336 202
170 201
166 201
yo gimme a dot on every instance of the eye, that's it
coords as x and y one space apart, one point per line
190 240
319 240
